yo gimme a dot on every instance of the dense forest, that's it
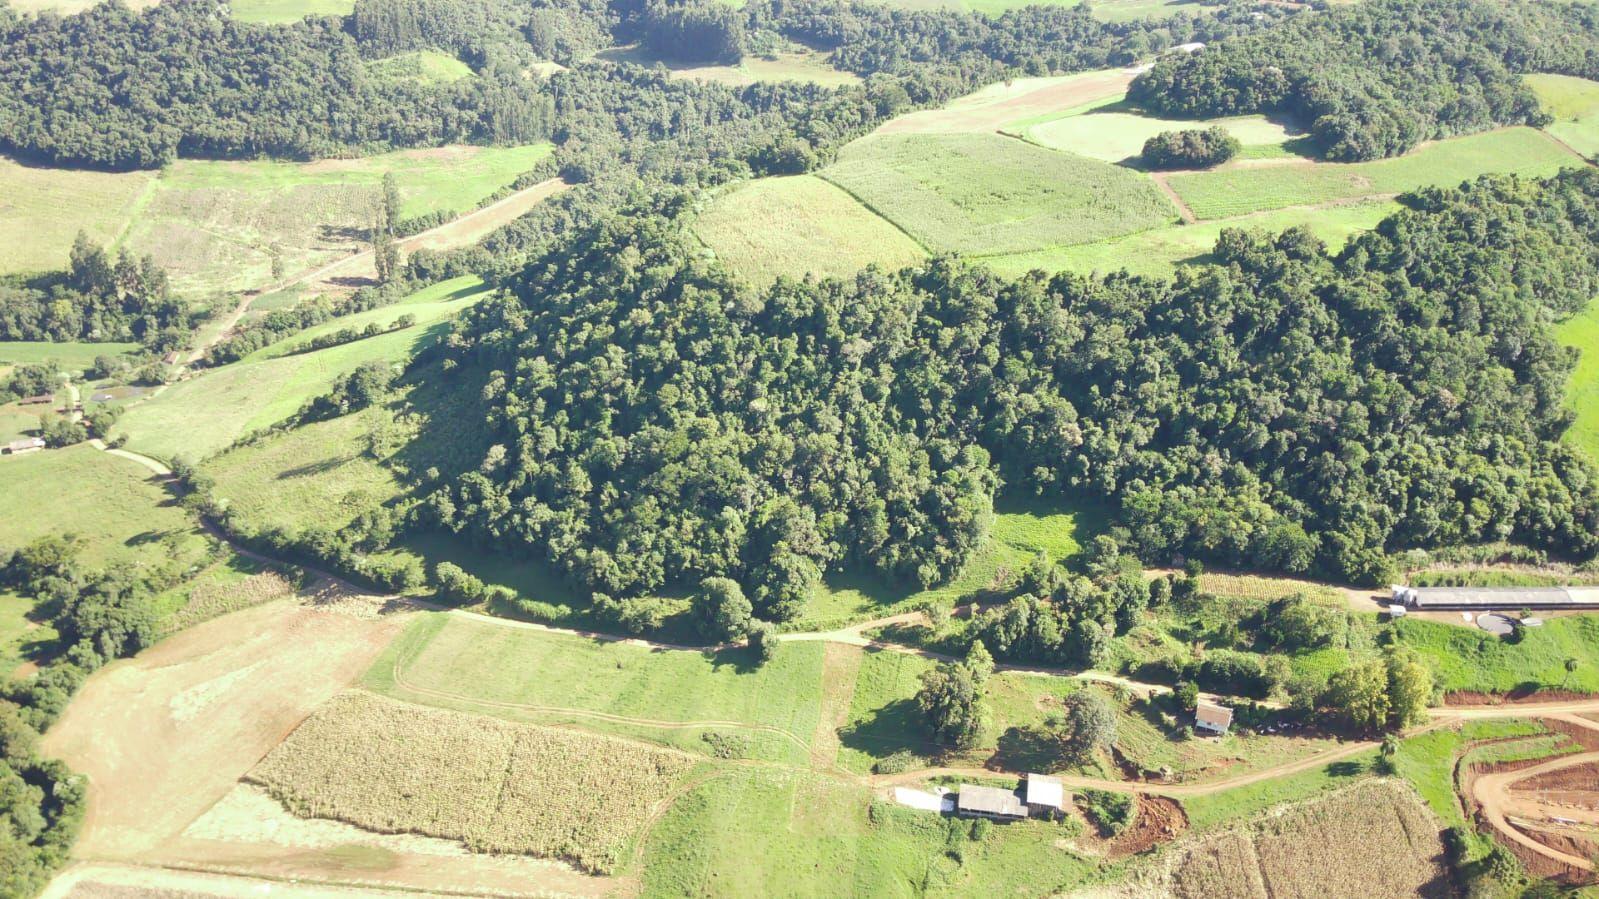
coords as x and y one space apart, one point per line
1375 79
656 420
95 299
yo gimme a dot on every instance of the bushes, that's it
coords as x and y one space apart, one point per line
1110 812
1191 148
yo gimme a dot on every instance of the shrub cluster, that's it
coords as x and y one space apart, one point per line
1190 148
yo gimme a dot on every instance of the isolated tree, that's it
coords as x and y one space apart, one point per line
1571 668
1359 695
276 253
951 701
391 204
456 584
385 255
1187 695
1088 726
721 610
1409 687
763 639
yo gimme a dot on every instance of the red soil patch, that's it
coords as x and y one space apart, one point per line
1583 778
1468 697
1159 820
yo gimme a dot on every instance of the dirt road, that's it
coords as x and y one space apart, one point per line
1499 805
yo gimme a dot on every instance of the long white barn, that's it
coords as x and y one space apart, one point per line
1469 599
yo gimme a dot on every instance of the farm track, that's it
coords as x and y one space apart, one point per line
1186 213
1492 793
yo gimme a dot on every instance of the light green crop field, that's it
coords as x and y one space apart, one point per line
1021 530
985 194
766 832
1574 102
274 12
204 414
70 356
421 66
1212 810
797 226
1582 390
1467 659
213 224
120 515
319 475
1238 189
1159 252
42 209
1117 136
795 65
431 303
671 697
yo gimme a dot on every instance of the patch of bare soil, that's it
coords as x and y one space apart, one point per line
1158 820
1469 698
1578 777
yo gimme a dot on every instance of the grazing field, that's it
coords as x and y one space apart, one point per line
766 832
788 65
672 697
20 638
1467 659
118 514
1574 103
1021 530
228 588
496 786
1241 188
204 414
213 224
797 226
1307 851
42 209
1160 252
1009 103
1582 390
1115 136
986 194
1210 811
70 356
279 11
420 66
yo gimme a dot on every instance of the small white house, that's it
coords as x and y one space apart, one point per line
1212 717
1044 796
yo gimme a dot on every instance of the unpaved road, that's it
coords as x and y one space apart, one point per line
1493 793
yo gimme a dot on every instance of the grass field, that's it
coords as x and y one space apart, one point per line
760 832
496 786
1574 102
120 516
70 356
1582 390
202 415
522 674
985 194
1467 659
42 209
1159 252
797 226
1239 189
1021 530
279 11
1228 806
1428 760
1114 135
20 639
793 65
420 66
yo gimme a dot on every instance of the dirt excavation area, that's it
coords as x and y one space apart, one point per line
165 738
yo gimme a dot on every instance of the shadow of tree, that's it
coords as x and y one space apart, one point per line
890 729
1027 749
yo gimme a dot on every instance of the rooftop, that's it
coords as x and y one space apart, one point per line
1045 790
990 801
1213 714
1500 597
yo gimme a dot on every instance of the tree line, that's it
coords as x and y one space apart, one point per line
1375 79
96 299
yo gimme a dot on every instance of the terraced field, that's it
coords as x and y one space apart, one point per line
985 194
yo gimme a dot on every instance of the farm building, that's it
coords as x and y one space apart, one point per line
1482 599
989 802
25 445
1212 717
1044 795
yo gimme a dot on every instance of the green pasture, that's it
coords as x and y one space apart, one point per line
1238 189
21 640
1160 252
791 65
1574 103
1021 530
1115 135
420 66
44 208
1427 760
1104 10
797 226
70 356
984 194
277 12
1581 331
431 303
667 696
1211 810
120 515
1468 659
204 414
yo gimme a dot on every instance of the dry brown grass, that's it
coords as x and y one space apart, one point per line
496 786
210 600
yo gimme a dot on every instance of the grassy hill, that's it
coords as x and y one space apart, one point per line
1574 103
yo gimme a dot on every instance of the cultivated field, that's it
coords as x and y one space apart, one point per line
998 106
671 697
1159 252
985 194
1574 102
118 514
791 65
497 787
1242 188
201 415
419 66
1308 851
1114 135
42 209
797 226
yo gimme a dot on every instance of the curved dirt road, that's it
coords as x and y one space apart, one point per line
1493 793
